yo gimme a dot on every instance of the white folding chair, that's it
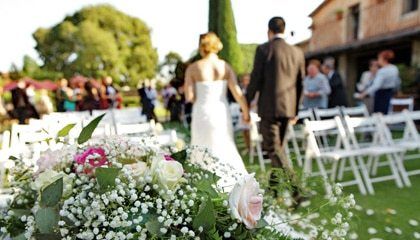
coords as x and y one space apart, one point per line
167 138
296 135
339 151
135 129
404 103
256 141
410 140
358 111
321 114
5 139
378 147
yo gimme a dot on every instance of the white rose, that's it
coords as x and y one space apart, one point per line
245 201
167 173
137 169
49 176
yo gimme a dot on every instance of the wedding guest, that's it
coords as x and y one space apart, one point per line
90 99
70 100
168 94
60 95
30 92
147 99
108 93
386 82
366 81
244 83
338 96
44 104
315 87
23 109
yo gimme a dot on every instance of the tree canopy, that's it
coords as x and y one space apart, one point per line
222 22
98 41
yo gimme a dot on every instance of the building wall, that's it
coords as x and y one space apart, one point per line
377 17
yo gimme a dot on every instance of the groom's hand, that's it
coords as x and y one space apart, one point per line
246 118
294 120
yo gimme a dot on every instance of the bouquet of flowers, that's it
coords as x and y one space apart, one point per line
118 189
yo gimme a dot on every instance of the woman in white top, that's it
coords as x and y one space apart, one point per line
386 81
366 80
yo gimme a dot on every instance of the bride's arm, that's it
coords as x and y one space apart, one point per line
189 85
237 93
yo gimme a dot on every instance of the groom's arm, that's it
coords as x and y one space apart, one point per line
257 75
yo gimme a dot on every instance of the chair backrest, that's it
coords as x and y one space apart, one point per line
411 117
167 138
306 114
388 121
321 114
5 140
133 129
253 131
329 127
401 103
358 111
370 124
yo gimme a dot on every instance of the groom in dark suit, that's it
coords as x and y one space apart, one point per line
278 73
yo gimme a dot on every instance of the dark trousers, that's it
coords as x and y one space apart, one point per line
382 100
274 132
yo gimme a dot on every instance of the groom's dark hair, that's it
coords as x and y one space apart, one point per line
277 25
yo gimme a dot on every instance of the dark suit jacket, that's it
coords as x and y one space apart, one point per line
338 96
278 73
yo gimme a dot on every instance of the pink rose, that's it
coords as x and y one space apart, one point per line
95 157
168 158
246 201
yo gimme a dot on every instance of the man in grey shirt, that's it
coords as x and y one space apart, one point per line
315 89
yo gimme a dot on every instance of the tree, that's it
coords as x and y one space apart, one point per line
167 67
33 70
98 41
222 22
248 53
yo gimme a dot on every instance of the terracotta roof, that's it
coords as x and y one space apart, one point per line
325 2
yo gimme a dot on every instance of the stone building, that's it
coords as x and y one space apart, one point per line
354 31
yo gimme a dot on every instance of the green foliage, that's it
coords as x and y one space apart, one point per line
153 226
168 66
65 130
33 70
248 54
87 131
51 195
46 219
222 22
98 41
407 75
205 217
106 177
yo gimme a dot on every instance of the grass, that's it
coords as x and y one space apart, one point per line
392 207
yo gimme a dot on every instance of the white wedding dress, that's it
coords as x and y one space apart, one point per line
211 125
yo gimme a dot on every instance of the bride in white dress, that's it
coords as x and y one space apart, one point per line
206 83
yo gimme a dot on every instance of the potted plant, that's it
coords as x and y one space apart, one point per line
339 13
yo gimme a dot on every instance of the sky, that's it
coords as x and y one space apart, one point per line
175 24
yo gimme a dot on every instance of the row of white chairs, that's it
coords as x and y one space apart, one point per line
345 148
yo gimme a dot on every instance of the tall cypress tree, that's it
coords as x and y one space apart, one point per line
222 22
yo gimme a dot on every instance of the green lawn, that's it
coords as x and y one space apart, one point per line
390 209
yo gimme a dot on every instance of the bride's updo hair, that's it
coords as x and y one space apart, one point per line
210 43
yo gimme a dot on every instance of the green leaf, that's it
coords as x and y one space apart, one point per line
261 223
46 219
87 131
206 217
180 156
48 236
20 212
51 194
65 130
106 177
153 226
206 186
13 158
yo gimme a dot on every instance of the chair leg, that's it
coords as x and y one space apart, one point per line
394 171
334 170
297 152
365 175
341 169
357 176
251 153
399 158
374 169
260 157
324 176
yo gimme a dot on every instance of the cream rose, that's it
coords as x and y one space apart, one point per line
168 173
245 201
137 169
